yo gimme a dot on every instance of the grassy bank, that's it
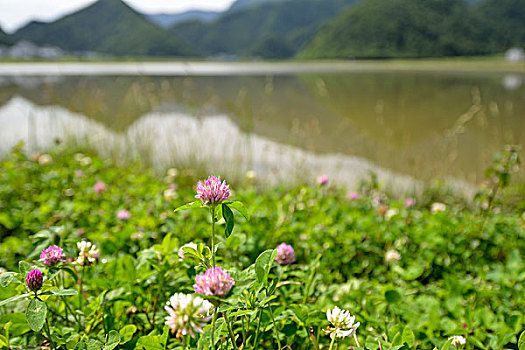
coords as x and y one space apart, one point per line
413 274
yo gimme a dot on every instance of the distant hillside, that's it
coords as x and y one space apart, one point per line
107 26
277 29
502 24
5 39
421 28
244 4
166 20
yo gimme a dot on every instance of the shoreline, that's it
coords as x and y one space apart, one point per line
221 68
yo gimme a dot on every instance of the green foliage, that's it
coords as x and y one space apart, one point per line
5 39
451 279
36 314
272 29
415 28
107 26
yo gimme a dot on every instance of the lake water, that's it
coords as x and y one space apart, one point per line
285 121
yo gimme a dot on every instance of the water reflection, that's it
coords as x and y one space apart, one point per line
421 124
171 138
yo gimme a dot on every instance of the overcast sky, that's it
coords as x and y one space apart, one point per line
15 13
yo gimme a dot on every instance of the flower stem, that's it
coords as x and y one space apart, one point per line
356 341
232 337
257 331
48 331
212 212
332 342
275 327
244 332
215 313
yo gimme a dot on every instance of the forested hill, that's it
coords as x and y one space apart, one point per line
107 26
4 38
421 28
273 29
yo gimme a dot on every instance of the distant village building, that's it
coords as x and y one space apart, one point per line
515 54
26 50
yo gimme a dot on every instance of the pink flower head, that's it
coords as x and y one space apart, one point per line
285 254
322 180
52 255
99 187
79 173
353 195
213 190
123 214
409 202
34 280
214 281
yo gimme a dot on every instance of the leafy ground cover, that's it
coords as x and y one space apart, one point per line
411 274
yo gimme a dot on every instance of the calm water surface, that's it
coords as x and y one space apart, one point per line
410 124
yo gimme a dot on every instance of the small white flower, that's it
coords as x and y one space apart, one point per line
182 254
172 172
45 159
88 253
437 207
251 175
85 161
343 323
78 157
458 340
391 212
170 194
392 255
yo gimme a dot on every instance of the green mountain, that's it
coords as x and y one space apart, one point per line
107 26
421 28
5 39
244 4
167 20
273 29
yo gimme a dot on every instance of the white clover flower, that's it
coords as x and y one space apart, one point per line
85 161
45 159
78 157
458 340
251 175
391 212
437 207
172 172
392 255
170 194
182 254
88 253
343 323
187 314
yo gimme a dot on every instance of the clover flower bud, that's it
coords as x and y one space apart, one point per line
285 254
322 180
34 280
99 187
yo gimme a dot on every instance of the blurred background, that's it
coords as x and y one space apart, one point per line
412 90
